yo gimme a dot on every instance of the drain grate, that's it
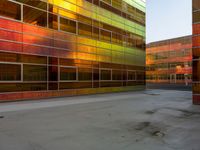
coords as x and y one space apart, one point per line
158 134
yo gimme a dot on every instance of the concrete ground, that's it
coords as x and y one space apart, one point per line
148 120
168 86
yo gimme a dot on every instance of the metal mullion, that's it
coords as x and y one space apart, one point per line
22 15
77 74
47 73
92 78
111 74
22 73
58 22
99 77
47 15
58 82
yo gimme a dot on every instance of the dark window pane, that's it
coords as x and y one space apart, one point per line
10 72
117 75
96 2
33 86
196 16
67 62
95 33
124 75
105 35
84 74
131 75
53 8
67 25
117 38
53 21
34 59
105 74
95 74
75 85
131 83
196 88
196 70
35 73
84 29
34 16
10 9
140 75
84 19
35 3
53 73
117 4
53 61
53 86
196 4
67 73
9 57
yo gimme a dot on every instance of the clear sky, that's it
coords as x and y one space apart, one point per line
168 19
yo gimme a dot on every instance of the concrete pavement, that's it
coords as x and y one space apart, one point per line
168 86
152 119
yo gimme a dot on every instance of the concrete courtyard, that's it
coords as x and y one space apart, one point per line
146 120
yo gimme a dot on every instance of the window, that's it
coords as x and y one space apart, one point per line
95 33
117 4
52 86
35 3
52 8
105 74
84 29
53 61
196 4
67 25
53 73
53 21
131 75
67 73
10 72
33 59
75 85
10 9
116 38
35 73
9 57
196 17
196 70
34 16
140 75
105 35
85 74
84 19
116 75
95 74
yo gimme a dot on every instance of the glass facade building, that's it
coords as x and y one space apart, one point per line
170 61
196 51
52 48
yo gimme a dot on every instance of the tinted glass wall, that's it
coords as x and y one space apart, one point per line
69 47
196 52
170 61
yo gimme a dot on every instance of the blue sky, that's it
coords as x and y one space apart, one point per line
168 19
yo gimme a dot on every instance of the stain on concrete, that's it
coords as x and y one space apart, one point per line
150 112
142 126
